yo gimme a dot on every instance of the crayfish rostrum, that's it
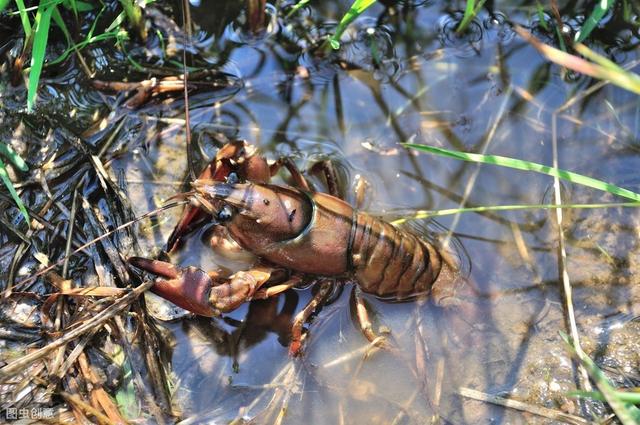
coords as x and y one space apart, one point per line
296 233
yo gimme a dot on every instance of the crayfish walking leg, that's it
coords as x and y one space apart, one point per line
297 337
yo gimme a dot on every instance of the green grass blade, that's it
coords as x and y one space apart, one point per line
74 7
296 7
561 43
3 4
7 182
422 214
604 61
100 37
624 396
134 16
42 22
470 12
77 5
592 21
541 20
356 9
83 6
111 32
468 15
518 164
616 75
626 413
24 18
57 18
116 22
13 156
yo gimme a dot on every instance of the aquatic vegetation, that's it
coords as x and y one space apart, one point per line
520 164
599 67
357 8
16 160
37 34
470 11
594 19
622 403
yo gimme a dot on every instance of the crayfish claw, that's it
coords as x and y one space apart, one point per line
157 267
188 288
238 289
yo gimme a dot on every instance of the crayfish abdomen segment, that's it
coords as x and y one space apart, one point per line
391 263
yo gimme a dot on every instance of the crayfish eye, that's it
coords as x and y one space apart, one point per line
233 178
225 214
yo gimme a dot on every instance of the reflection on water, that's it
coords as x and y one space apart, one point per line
402 75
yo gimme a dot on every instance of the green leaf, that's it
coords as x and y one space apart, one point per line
111 32
625 412
116 22
3 4
57 18
84 6
134 15
126 394
42 22
77 5
24 18
529 166
601 67
86 42
561 43
13 156
541 19
470 12
624 396
356 9
7 182
297 7
592 21
422 214
74 7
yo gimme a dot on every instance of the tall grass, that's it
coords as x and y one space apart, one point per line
299 5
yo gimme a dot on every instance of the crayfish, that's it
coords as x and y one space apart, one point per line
296 233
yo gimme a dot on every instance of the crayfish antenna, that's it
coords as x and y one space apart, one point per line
182 196
212 188
203 203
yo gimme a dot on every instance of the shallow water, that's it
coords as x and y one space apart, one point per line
407 78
